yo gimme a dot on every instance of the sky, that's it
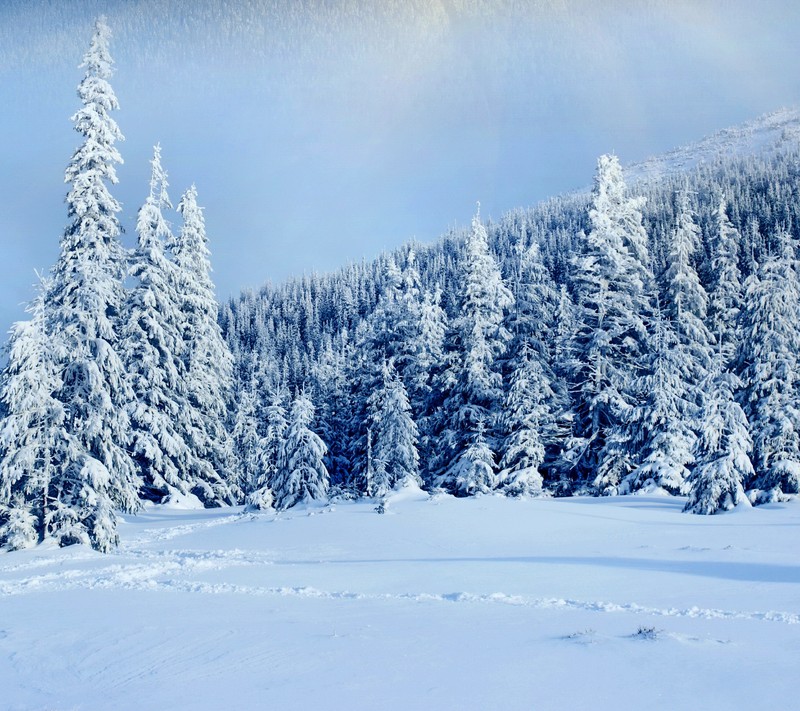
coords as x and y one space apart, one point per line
322 132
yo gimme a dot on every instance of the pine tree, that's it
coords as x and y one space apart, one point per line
768 363
207 361
613 283
248 443
686 301
82 306
663 433
393 435
33 440
269 463
724 445
304 476
477 392
726 291
526 420
151 346
474 471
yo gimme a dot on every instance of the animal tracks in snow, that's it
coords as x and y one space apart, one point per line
171 571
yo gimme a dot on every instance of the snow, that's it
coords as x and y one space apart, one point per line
489 602
766 135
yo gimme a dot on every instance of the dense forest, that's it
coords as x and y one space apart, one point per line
631 338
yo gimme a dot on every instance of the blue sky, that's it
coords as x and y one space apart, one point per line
322 132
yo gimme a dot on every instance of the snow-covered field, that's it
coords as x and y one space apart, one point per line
483 603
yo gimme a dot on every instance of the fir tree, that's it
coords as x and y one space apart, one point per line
248 443
33 441
768 363
269 463
686 300
393 435
151 347
726 291
723 449
82 306
303 477
663 432
614 283
477 389
474 471
207 361
526 419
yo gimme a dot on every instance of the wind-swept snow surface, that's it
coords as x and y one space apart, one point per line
482 603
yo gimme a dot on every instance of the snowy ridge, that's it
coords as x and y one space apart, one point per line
764 135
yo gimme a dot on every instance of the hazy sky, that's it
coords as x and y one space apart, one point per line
319 132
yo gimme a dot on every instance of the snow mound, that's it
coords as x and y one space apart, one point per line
182 502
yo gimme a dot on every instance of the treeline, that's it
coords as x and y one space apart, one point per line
596 344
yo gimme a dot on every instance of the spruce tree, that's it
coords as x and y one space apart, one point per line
151 347
33 441
724 445
303 477
614 286
394 435
768 363
207 361
82 305
480 339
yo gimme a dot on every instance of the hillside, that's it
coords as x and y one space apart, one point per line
764 136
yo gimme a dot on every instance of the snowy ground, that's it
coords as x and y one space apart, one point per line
484 603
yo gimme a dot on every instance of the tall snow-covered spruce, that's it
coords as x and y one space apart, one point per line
82 306
769 359
151 347
480 339
207 362
614 285
303 477
33 440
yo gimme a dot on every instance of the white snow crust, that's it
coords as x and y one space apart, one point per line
439 603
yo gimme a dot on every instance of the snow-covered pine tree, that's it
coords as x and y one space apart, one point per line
664 434
526 420
726 288
33 440
303 476
474 472
480 339
270 463
151 345
334 393
82 305
768 363
723 448
393 435
248 443
207 361
686 301
393 332
614 286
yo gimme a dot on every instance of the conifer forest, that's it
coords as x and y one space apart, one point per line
640 336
